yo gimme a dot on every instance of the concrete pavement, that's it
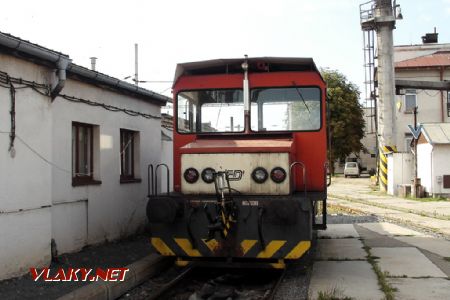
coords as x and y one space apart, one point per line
409 271
404 263
356 194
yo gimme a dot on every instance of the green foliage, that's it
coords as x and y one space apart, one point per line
347 115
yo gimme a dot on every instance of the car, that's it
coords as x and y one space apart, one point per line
351 169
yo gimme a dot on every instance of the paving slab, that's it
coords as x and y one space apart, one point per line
423 288
437 246
405 261
339 231
340 249
354 279
390 229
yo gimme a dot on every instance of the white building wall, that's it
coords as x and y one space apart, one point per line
441 167
424 167
37 199
25 180
400 171
167 158
113 209
430 104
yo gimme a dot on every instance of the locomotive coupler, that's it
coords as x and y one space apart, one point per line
225 208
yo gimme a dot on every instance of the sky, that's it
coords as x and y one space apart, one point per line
174 31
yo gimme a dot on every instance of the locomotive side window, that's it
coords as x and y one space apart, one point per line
286 109
210 111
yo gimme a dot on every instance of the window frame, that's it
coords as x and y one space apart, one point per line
125 178
199 108
448 103
410 92
86 179
284 87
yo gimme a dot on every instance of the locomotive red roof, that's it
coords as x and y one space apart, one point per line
256 64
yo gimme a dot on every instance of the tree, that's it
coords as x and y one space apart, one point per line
346 116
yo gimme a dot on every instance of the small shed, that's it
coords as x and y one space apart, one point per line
433 159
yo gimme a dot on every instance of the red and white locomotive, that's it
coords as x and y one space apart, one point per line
250 167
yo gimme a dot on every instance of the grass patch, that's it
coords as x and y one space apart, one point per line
333 294
447 258
428 199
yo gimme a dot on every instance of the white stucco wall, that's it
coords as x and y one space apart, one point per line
400 171
37 200
114 209
167 158
424 169
25 180
441 166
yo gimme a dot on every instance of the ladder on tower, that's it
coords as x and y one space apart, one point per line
367 15
369 80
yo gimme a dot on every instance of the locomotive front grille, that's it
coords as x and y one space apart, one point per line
246 162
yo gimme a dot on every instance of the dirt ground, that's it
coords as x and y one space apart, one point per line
112 254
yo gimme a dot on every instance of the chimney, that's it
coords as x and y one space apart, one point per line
93 61
430 37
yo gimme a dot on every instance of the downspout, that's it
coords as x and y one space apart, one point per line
431 166
58 84
441 77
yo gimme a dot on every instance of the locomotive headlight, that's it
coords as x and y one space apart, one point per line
278 174
208 175
191 175
260 175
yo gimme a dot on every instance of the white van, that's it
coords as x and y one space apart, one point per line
351 169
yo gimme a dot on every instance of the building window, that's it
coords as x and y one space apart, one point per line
83 154
410 101
408 141
128 155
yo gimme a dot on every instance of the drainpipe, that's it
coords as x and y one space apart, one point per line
441 77
58 84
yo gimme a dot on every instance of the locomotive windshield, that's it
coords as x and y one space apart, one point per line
285 109
210 111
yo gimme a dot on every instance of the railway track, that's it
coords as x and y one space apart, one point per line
197 283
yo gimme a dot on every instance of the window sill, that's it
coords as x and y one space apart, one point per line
130 180
82 182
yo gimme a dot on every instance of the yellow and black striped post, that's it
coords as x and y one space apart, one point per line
383 169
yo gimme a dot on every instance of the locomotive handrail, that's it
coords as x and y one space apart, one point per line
167 179
327 178
150 177
304 173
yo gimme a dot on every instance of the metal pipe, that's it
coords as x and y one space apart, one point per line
61 60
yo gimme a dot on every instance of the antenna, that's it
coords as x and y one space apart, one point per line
136 66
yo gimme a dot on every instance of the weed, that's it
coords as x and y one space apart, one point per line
333 294
387 289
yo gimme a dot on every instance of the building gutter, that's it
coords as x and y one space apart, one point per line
63 64
116 83
61 61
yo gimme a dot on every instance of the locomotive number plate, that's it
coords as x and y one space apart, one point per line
250 203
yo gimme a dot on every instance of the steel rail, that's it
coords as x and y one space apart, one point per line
167 286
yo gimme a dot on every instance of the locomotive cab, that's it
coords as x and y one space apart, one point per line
249 162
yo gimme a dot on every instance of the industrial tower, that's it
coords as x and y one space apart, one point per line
379 16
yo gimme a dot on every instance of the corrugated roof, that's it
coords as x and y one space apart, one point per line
436 133
438 59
